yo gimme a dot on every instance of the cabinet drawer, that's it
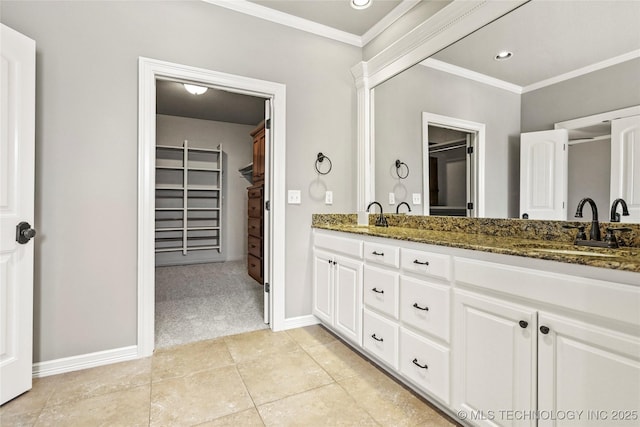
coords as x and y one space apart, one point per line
255 192
255 246
425 306
382 254
255 227
426 263
254 207
254 266
380 337
381 290
346 246
425 363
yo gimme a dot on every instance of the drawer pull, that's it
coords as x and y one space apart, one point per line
415 305
523 324
415 362
377 291
377 253
544 329
420 263
376 338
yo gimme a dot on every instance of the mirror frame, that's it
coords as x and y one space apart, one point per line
450 24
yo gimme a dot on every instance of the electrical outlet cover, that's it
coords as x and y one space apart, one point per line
392 199
328 197
293 197
416 199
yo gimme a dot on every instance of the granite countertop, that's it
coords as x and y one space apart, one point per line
560 249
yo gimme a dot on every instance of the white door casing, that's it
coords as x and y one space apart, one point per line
543 174
266 238
148 71
17 169
625 165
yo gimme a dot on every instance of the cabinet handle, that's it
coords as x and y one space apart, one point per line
377 291
415 304
377 253
415 362
544 330
421 263
376 338
523 324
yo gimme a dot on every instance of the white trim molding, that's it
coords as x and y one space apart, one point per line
471 75
84 361
150 70
282 18
300 321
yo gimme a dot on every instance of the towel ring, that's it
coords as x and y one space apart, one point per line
399 165
321 158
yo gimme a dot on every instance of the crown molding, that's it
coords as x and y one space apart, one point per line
471 75
397 12
288 20
634 54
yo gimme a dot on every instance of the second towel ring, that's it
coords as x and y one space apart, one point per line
399 165
321 158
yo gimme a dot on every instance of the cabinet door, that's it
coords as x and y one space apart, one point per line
348 298
494 359
323 286
586 368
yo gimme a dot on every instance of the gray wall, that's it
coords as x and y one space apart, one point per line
399 104
237 146
589 175
86 146
604 90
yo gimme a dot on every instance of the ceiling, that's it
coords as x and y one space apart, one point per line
172 99
337 14
549 38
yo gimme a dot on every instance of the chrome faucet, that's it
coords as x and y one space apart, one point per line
595 225
615 216
403 203
381 221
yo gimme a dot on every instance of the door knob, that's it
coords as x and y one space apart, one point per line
544 329
24 232
523 324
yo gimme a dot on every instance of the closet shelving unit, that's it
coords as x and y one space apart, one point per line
188 199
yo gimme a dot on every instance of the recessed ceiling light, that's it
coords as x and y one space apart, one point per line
503 55
361 4
195 90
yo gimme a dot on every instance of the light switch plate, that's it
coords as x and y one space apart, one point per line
293 197
417 199
392 199
328 198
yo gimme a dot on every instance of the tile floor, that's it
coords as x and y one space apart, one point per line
301 377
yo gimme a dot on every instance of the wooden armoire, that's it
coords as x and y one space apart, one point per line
255 206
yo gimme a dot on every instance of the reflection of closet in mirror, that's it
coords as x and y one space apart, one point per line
449 152
448 171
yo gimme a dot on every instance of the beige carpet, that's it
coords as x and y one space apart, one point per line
205 301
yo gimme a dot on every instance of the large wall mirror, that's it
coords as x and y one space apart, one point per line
454 120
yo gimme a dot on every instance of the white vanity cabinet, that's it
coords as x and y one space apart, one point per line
337 284
509 341
552 343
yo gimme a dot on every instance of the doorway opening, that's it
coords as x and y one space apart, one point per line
200 202
203 286
451 181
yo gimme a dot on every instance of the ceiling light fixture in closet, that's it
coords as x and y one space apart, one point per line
195 90
361 4
503 55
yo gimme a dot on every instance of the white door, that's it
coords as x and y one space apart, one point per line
323 286
494 360
266 225
543 174
17 112
586 368
625 165
348 298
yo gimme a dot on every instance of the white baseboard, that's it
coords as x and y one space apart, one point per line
299 322
84 361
